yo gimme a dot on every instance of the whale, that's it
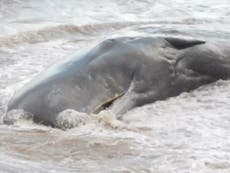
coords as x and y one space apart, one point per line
120 74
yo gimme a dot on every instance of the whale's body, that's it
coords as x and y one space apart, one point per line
123 73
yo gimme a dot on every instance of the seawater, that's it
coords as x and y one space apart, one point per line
187 133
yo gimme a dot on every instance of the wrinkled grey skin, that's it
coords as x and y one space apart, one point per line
140 70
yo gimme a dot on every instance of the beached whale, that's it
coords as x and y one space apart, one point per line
120 74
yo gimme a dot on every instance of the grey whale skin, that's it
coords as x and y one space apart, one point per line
121 74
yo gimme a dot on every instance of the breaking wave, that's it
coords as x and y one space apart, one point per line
83 31
60 31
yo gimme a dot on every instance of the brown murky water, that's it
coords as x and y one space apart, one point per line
188 133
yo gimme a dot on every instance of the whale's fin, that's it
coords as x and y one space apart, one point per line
182 43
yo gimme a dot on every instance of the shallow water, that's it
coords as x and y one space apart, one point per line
188 133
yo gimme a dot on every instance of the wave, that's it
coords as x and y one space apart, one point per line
61 31
83 31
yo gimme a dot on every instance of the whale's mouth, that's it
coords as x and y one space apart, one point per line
107 103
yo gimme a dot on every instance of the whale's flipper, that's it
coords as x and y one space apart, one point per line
182 43
107 103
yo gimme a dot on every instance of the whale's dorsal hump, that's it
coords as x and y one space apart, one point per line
182 43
